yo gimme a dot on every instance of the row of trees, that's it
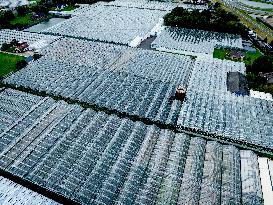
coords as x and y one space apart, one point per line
212 20
21 64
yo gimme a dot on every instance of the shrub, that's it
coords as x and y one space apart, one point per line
22 10
262 64
36 56
217 20
8 15
21 64
5 47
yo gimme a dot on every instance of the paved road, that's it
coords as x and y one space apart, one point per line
242 6
235 5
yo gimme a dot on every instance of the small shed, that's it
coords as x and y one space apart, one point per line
236 55
21 47
180 93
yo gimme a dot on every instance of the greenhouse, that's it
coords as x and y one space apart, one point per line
140 4
158 5
210 75
13 105
211 108
119 25
82 52
119 109
92 157
16 194
193 41
6 36
103 76
166 67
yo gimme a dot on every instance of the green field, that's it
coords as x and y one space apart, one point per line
248 60
250 57
220 53
69 8
8 63
27 20
24 20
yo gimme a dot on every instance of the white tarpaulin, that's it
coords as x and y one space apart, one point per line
260 95
135 42
38 45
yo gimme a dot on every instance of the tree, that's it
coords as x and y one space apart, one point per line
8 15
262 64
207 15
14 42
5 47
22 10
4 23
217 5
218 20
254 80
18 26
21 64
40 9
271 43
36 56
